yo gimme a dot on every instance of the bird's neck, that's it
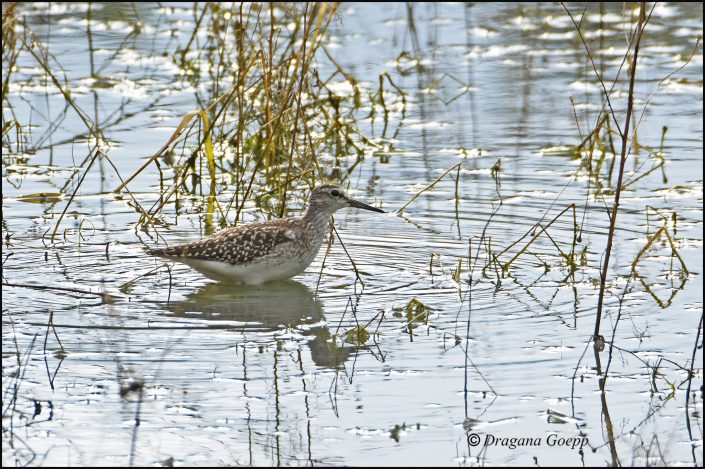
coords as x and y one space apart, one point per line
317 216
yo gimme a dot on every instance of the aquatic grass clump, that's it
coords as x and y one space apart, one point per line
272 117
273 111
11 126
603 153
627 143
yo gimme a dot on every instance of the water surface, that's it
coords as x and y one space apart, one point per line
180 370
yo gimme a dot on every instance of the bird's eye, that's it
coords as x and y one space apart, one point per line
334 193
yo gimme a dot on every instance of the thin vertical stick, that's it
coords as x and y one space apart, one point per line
625 142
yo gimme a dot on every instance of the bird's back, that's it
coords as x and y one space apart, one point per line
237 246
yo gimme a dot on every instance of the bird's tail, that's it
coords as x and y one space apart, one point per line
160 252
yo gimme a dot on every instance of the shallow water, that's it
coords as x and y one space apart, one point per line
178 369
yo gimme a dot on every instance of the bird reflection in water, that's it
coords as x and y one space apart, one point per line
271 307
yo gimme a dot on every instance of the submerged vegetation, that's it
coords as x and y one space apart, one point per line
511 244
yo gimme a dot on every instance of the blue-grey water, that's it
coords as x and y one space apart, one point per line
180 370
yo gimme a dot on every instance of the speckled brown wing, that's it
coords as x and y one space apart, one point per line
237 246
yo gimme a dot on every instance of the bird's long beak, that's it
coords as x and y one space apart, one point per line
355 203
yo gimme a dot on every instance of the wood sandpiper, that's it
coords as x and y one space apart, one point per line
261 252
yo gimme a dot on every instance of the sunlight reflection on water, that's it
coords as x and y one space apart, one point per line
265 376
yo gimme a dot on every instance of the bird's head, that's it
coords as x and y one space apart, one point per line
331 198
